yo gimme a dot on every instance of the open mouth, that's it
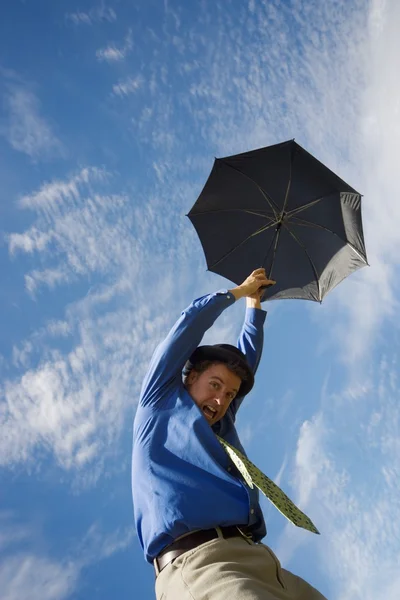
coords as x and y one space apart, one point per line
209 411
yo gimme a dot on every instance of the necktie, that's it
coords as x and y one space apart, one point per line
253 475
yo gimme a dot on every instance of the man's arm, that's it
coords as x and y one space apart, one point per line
168 360
251 339
253 303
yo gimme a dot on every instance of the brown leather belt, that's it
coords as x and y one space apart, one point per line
192 541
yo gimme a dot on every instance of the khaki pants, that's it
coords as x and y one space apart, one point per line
231 569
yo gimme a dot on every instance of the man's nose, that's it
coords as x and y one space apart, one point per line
219 399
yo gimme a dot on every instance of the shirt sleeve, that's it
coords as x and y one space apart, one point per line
170 356
251 342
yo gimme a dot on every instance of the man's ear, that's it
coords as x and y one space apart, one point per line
191 378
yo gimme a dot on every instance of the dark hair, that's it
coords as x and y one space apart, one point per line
232 365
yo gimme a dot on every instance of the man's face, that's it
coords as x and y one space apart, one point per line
213 390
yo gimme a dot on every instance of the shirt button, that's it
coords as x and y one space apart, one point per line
229 469
229 297
252 511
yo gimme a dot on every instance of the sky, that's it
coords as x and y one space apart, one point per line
111 114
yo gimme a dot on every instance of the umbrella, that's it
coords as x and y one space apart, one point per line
280 208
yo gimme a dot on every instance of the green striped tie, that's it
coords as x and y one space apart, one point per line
253 475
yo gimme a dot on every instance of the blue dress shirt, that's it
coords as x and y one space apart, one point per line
182 478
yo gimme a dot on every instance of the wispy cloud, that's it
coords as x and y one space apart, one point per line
26 129
127 86
374 294
55 193
96 545
114 53
347 478
74 210
89 233
74 404
24 573
12 533
48 277
32 574
36 577
94 15
111 54
35 239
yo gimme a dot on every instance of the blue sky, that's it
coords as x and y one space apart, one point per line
110 117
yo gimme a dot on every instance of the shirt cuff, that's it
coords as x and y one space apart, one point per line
229 296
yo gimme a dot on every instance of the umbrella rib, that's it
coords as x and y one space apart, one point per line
309 258
271 203
304 206
245 210
288 185
241 244
275 242
306 223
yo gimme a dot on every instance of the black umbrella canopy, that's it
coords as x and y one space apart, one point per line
280 208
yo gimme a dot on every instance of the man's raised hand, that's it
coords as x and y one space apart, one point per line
251 286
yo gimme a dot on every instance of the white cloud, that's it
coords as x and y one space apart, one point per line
66 407
374 295
37 578
12 534
96 545
94 15
73 404
347 480
26 129
31 574
55 193
127 86
113 53
84 230
28 242
110 54
49 277
21 355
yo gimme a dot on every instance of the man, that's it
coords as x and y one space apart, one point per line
198 522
